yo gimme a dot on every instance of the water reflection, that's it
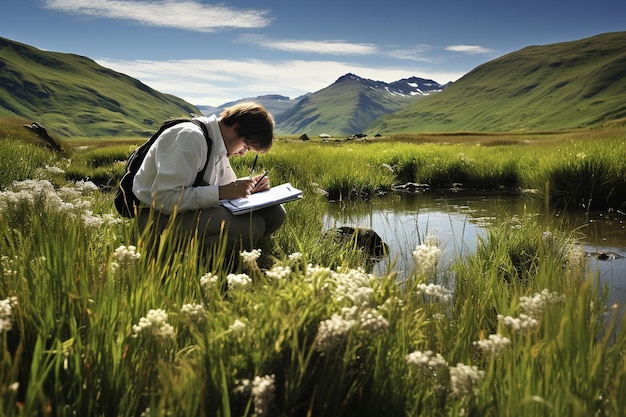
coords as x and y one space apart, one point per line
458 218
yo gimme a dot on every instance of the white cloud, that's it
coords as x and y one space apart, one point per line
417 53
469 49
215 82
187 14
330 47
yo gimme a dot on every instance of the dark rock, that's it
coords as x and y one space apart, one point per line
364 238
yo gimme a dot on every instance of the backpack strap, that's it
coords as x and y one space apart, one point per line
209 142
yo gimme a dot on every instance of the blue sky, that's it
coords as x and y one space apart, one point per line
209 53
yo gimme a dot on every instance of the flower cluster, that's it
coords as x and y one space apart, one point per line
464 380
576 261
39 196
426 257
9 265
427 361
6 313
368 319
353 285
250 258
263 390
208 281
295 257
331 333
493 345
278 272
238 281
124 257
434 291
523 322
194 312
238 326
533 306
155 324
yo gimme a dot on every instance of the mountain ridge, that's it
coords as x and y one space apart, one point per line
350 104
567 85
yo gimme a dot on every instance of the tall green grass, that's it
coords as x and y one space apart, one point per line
95 321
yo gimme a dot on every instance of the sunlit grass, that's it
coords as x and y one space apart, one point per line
96 322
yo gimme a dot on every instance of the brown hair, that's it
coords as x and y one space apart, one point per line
255 124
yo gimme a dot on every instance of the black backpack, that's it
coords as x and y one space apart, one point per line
125 201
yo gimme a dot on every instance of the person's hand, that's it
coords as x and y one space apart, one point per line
262 185
241 188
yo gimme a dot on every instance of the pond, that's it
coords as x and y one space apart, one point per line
459 218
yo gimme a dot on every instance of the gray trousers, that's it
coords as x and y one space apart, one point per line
216 224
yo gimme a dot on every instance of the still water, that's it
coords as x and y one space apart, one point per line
459 218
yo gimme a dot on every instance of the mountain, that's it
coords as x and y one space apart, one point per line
71 95
568 85
350 104
274 103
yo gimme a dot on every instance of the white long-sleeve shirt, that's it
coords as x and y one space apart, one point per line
167 173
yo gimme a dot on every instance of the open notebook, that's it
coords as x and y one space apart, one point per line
275 195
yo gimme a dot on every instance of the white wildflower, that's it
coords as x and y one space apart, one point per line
434 291
426 258
314 272
427 361
350 282
238 326
372 321
576 262
534 306
91 220
238 281
250 258
194 312
524 322
86 186
431 240
493 345
332 332
125 257
208 281
464 380
263 392
296 256
6 313
278 272
155 324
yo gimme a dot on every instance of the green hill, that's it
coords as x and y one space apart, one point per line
71 95
346 107
560 86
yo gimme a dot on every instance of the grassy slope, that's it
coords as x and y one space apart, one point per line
344 108
560 86
73 96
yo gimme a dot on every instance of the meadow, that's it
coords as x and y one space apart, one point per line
95 322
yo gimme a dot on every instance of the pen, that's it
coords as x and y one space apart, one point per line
253 165
262 176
